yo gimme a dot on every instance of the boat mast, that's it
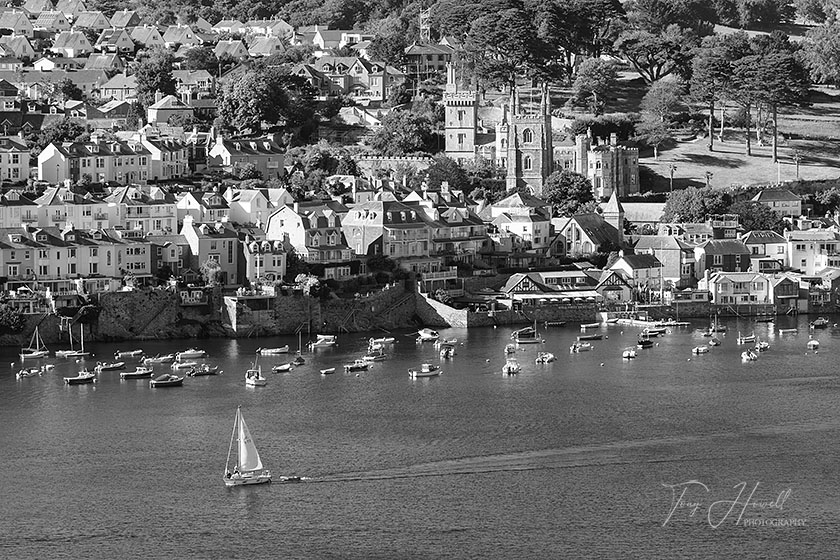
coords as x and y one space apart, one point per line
232 436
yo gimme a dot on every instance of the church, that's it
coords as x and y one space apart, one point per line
523 144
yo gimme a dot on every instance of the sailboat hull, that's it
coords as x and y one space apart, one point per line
247 478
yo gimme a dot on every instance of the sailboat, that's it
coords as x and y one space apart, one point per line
36 348
248 467
298 361
74 353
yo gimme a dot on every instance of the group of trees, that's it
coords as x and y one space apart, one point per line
693 205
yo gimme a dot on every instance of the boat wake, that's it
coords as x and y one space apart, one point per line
672 449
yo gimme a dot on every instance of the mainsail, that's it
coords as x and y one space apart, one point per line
249 457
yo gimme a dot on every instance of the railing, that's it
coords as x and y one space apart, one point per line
450 272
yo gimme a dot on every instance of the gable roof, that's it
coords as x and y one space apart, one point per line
724 247
125 18
15 20
641 261
598 230
92 20
72 40
146 34
38 6
769 195
762 236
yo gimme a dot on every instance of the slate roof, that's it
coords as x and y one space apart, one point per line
762 236
770 195
724 247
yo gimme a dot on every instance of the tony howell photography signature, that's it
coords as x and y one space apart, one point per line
748 506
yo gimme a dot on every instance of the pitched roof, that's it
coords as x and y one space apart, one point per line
96 20
644 260
103 62
169 102
121 81
145 34
125 18
769 195
597 229
762 236
724 247
50 19
614 205
72 40
14 20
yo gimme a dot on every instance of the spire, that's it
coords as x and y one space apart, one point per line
613 206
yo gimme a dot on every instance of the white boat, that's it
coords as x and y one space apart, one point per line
36 349
273 351
511 367
447 351
282 368
700 350
749 356
580 347
528 335
73 353
371 357
746 339
204 369
590 325
714 342
628 353
108 366
164 359
426 370
788 331
762 346
654 331
254 376
544 358
357 365
510 349
167 380
427 335
190 354
299 361
383 340
28 372
813 344
138 373
820 323
327 371
247 467
127 354
81 378
184 365
324 341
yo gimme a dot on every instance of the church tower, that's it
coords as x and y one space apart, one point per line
530 154
460 119
614 215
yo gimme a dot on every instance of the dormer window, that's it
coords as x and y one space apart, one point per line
97 235
41 237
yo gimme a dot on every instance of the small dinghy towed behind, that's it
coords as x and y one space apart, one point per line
629 353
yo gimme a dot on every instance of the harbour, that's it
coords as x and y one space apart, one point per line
563 458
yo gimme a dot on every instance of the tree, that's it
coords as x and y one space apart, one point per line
402 133
63 130
663 99
154 74
212 272
829 199
710 75
389 48
757 216
595 79
693 205
656 55
295 265
201 58
447 169
11 319
567 192
246 170
347 166
66 89
652 131
822 53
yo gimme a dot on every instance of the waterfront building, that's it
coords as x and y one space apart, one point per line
314 232
263 260
768 250
642 271
216 242
169 253
738 288
721 255
813 249
675 255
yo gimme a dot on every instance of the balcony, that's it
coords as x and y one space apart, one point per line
448 273
100 216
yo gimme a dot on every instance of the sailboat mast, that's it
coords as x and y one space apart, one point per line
232 436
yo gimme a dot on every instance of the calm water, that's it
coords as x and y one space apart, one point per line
565 460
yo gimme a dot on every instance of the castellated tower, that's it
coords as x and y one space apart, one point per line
529 147
460 119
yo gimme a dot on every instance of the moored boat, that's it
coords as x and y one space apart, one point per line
700 350
590 337
654 331
282 368
714 342
374 357
762 346
357 365
749 356
323 341
81 378
820 323
511 367
166 380
109 366
203 369
629 353
580 347
527 335
138 373
426 370
159 359
128 354
383 340
510 349
545 358
328 371
36 349
788 331
590 325
28 372
427 335
813 344
254 377
184 365
273 351
644 341
447 351
190 353
746 339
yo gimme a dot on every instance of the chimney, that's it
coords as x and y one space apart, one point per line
158 96
68 183
295 206
613 139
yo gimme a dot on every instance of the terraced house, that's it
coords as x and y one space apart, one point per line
151 211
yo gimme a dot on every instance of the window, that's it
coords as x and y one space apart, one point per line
717 260
527 135
230 252
100 163
780 250
527 164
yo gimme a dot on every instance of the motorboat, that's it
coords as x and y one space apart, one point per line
377 357
247 466
282 368
254 377
273 351
612 321
203 369
820 323
747 339
166 380
190 354
644 341
510 349
654 331
139 373
357 365
813 344
511 367
299 360
158 359
427 335
762 346
109 366
328 371
128 354
700 350
450 341
545 358
426 370
629 353
81 378
749 356
591 337
36 349
788 331
184 365
590 325
28 372
323 341
714 342
383 340
447 350
555 324
580 347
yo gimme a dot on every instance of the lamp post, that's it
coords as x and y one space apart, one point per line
797 157
671 169
709 176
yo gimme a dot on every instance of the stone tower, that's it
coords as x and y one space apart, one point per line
529 147
614 215
460 118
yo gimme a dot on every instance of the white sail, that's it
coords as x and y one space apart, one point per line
249 457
